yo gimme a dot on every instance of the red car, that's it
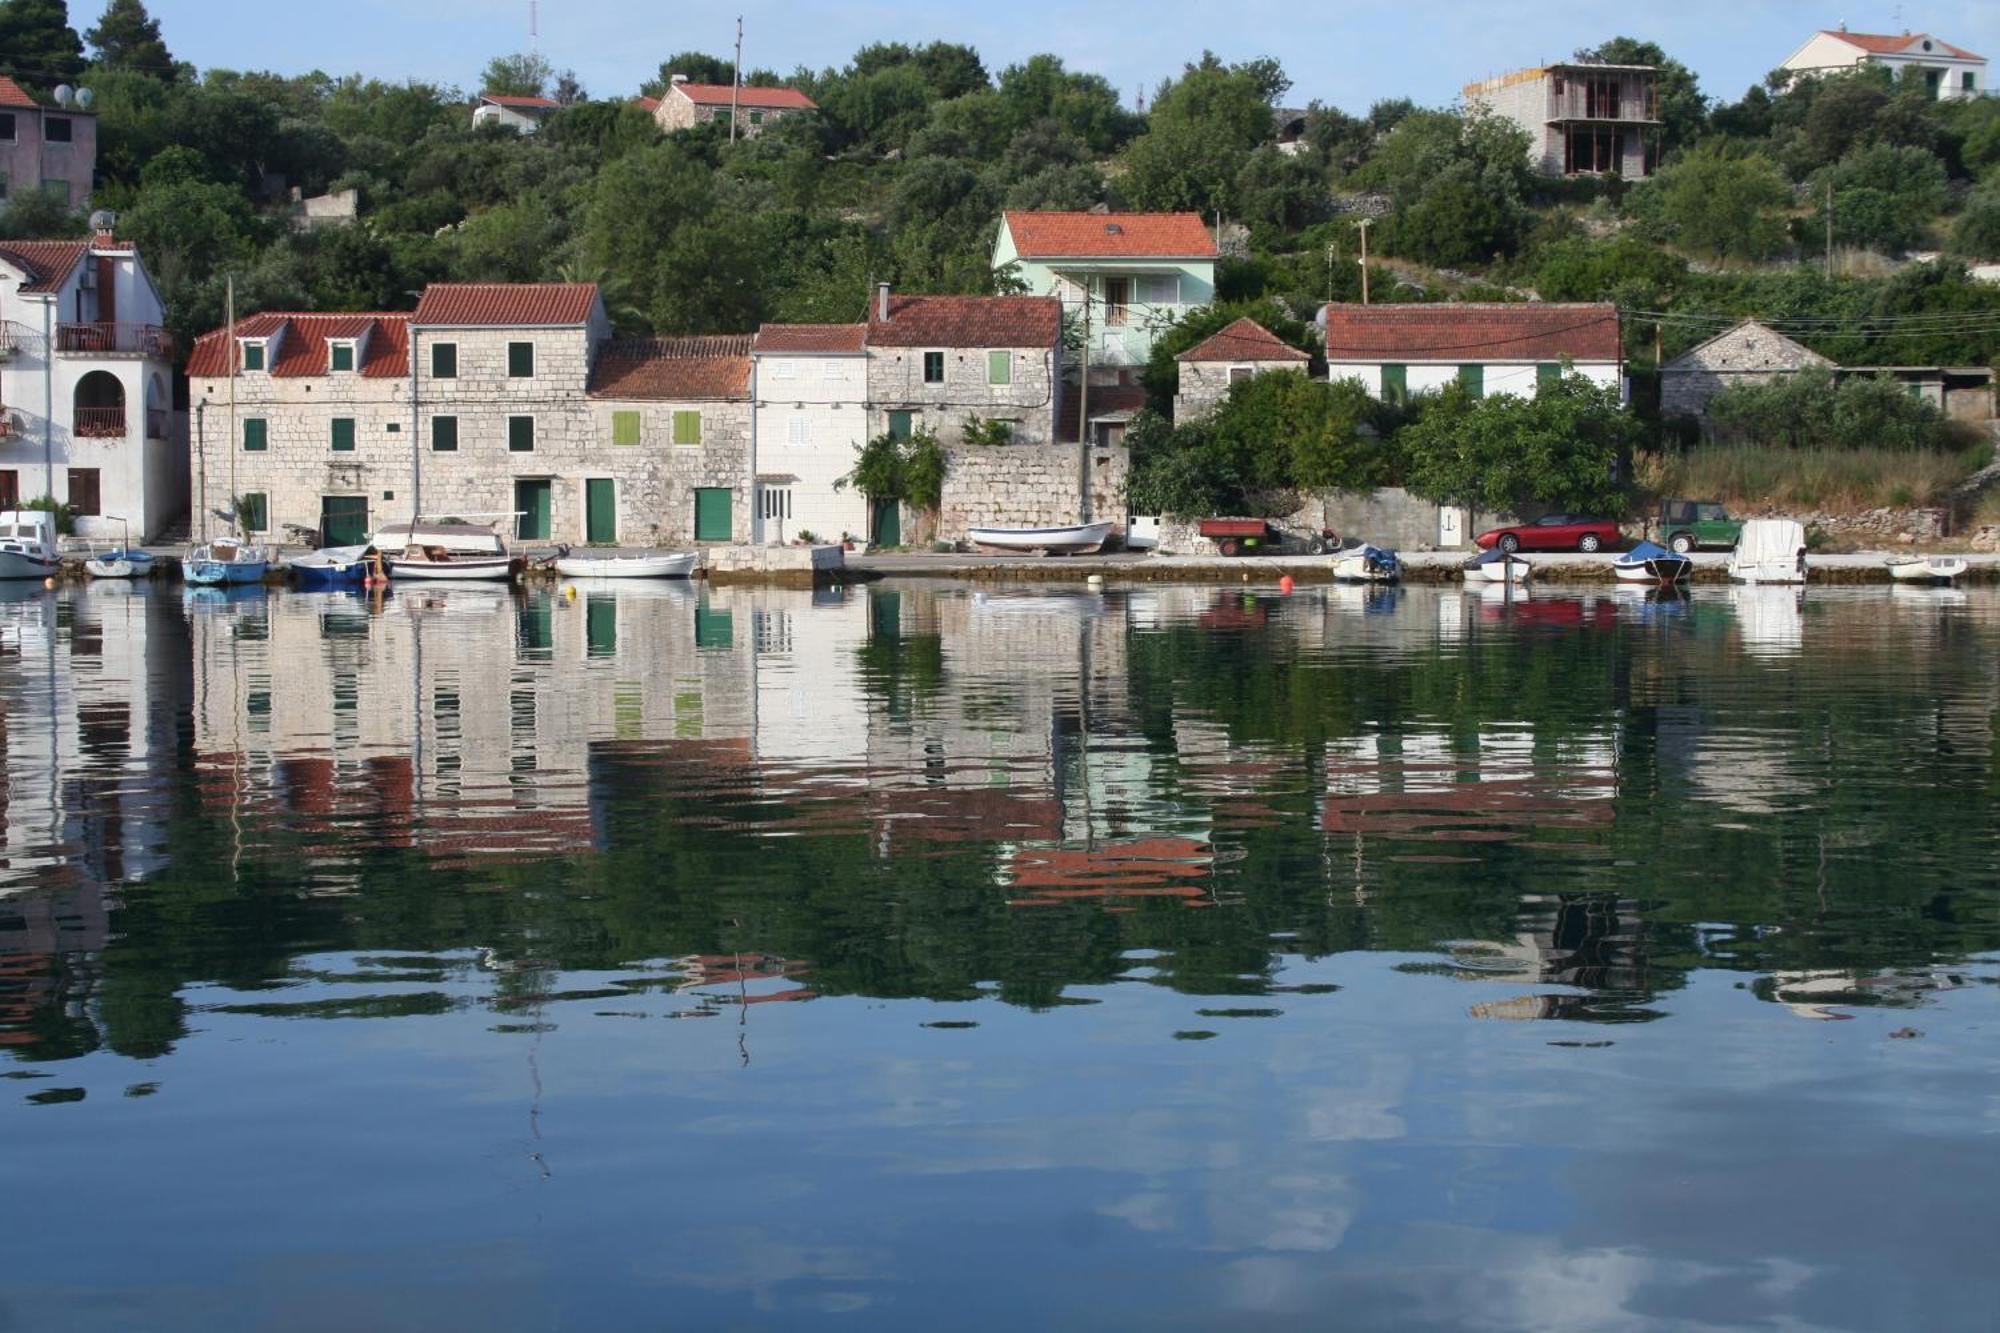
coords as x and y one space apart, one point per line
1554 532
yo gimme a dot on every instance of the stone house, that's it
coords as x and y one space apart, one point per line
1129 276
86 387
685 105
680 408
1750 353
50 148
1397 351
936 361
1234 353
810 416
1581 119
1949 73
523 115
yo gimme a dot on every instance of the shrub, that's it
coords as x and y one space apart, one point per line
65 513
1560 448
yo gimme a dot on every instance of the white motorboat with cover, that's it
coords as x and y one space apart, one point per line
1074 539
1649 562
1497 566
453 551
1366 564
1925 568
28 544
1771 550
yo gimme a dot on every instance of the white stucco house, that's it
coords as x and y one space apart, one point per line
1488 347
809 403
1949 72
86 387
523 115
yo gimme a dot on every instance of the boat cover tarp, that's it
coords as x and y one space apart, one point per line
1643 552
1771 541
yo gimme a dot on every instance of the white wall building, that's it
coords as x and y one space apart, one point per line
86 387
523 115
809 390
1949 72
1400 350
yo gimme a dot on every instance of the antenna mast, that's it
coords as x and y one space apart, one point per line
736 80
534 25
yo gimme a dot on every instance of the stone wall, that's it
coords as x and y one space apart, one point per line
1024 486
1204 384
1388 516
896 383
1747 354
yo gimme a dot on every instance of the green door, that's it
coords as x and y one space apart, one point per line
531 509
711 513
600 510
343 520
888 523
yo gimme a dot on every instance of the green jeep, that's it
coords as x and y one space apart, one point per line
1688 524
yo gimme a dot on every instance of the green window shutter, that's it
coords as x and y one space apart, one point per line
256 435
934 367
624 427
343 435
341 356
256 512
444 434
521 435
1395 384
687 427
999 367
444 361
899 425
1548 375
253 356
1472 378
520 360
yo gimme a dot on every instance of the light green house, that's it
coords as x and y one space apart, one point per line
1134 273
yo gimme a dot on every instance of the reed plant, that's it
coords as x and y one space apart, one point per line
1749 477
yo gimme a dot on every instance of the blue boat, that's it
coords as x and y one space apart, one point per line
224 561
1367 564
336 567
1649 562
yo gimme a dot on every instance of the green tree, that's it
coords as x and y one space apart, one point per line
1683 108
1459 183
524 74
127 37
1558 448
1202 127
1883 196
695 67
37 44
1714 202
708 280
1976 234
1086 105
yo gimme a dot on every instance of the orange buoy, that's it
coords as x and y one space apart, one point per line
1285 585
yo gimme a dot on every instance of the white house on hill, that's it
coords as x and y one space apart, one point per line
1489 348
1949 72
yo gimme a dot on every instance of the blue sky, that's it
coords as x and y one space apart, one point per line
1349 55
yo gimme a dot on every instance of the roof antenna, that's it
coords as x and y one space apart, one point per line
534 25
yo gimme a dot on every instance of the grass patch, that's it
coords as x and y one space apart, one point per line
1842 480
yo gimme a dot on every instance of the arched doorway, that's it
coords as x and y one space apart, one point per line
99 405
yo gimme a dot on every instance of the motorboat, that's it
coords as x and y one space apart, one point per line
1367 564
28 544
123 561
225 560
339 567
1497 566
1074 539
1649 562
1771 550
1925 568
665 565
457 552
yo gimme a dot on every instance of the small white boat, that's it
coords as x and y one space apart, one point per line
454 552
1075 539
1770 550
122 561
1649 562
1925 568
671 565
1366 564
1497 566
28 544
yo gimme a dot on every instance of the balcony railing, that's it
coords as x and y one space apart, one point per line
149 340
100 422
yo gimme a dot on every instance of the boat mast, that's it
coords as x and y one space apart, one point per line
235 354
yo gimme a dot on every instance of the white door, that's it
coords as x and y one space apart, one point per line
1451 527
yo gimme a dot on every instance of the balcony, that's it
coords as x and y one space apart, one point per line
100 423
147 340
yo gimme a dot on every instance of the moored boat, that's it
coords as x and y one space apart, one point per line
1074 539
1649 562
28 544
122 561
1925 568
1497 566
225 560
1771 550
666 565
1367 564
338 567
456 552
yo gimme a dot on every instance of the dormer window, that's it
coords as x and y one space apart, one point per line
340 357
253 354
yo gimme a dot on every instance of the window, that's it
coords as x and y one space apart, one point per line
1240 373
756 118
444 361
625 427
253 356
520 360
1965 82
1117 296
10 488
999 367
444 435
798 433
340 356
83 492
1160 289
343 435
254 509
6 127
3 185
1395 383
899 425
1473 380
1548 375
934 367
687 427
57 129
521 435
256 435
776 502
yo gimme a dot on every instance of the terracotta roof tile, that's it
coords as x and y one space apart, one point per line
811 340
524 103
302 352
1456 332
506 304
1110 235
46 264
646 104
12 94
1245 340
673 369
967 321
1887 45
769 99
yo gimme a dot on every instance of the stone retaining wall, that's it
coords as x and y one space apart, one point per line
1029 486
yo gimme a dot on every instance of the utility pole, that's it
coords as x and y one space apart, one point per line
1829 231
1365 222
49 401
736 82
416 436
1332 259
1083 415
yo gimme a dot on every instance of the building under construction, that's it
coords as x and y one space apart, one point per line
1581 119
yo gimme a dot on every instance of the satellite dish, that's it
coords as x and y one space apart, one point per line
84 97
104 220
64 94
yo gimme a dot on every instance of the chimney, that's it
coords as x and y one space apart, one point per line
678 79
882 302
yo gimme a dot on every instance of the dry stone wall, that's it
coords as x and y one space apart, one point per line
1027 486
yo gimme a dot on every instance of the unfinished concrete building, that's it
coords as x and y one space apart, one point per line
1581 119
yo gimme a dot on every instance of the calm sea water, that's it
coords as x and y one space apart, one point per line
921 957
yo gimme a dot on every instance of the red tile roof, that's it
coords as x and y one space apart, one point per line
1886 45
811 340
768 99
506 304
1110 235
647 104
673 369
12 94
45 264
1245 340
967 321
302 352
1456 332
524 103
